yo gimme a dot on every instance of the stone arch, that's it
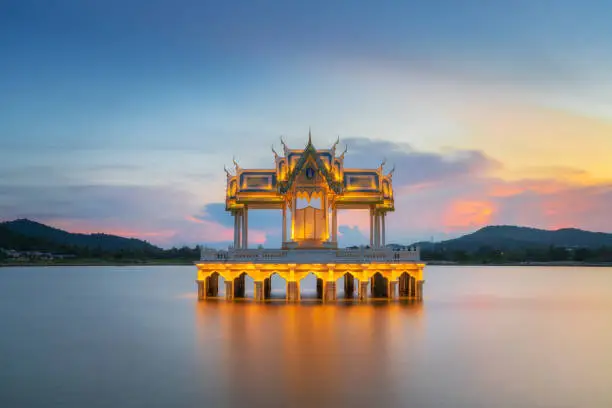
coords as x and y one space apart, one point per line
407 284
379 285
306 281
274 280
350 283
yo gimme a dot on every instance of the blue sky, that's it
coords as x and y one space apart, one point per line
118 116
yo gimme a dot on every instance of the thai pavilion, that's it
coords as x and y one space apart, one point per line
309 186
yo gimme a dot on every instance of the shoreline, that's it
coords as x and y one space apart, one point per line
185 263
95 263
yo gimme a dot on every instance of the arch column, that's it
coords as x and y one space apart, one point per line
371 228
245 227
202 289
293 291
259 292
363 290
329 291
334 224
382 218
229 289
284 223
236 229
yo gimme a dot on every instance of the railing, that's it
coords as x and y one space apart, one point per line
363 255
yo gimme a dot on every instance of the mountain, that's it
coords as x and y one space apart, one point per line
25 234
506 237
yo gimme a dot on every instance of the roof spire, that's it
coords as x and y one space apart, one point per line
309 136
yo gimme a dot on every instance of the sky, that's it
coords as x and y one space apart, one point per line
118 116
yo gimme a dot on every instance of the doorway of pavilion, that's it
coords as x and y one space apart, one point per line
349 284
243 286
379 286
276 287
311 287
407 285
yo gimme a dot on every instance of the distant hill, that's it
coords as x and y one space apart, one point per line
506 237
24 234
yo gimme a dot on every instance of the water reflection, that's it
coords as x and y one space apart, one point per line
137 336
311 354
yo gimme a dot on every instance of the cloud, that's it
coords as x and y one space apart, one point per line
417 167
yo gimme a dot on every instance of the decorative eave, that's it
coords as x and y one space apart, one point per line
311 151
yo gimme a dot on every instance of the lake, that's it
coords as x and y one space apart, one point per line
137 337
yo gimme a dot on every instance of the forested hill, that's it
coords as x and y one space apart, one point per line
24 234
506 237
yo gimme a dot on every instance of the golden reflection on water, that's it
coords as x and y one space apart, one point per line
314 354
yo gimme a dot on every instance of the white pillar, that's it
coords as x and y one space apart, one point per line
236 230
371 228
376 229
293 205
334 224
382 217
284 223
245 228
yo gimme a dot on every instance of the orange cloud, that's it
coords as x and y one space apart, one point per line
462 214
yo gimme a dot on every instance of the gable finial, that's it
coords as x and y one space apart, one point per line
345 150
285 148
236 164
390 175
275 154
333 149
382 164
227 172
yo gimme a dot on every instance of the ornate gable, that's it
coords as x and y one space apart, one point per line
310 154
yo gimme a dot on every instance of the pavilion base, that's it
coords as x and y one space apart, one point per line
389 280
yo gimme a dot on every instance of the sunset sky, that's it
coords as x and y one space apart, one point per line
118 116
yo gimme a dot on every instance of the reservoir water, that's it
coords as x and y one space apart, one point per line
137 337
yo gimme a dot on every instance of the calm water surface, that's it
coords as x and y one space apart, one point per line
137 337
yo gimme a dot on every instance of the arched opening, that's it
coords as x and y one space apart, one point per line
379 286
311 287
277 287
348 283
215 285
243 286
406 285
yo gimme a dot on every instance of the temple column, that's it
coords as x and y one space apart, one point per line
419 290
259 292
202 289
334 223
376 230
349 285
371 228
382 218
293 291
392 290
236 230
363 290
284 223
229 289
293 206
245 228
329 293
